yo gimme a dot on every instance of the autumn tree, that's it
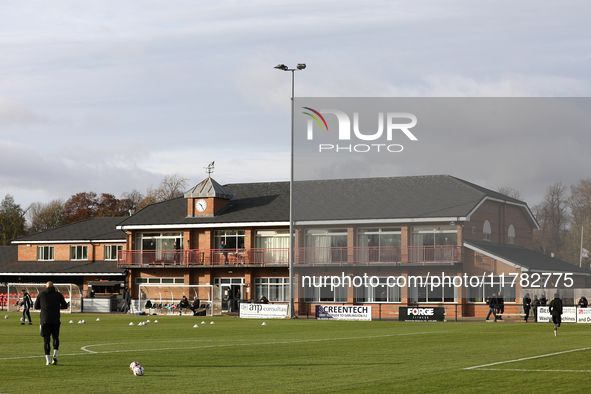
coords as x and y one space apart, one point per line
87 205
43 217
12 220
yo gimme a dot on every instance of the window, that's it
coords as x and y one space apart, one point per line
422 290
378 293
324 293
517 219
479 294
79 252
234 239
111 251
275 289
157 281
45 252
274 245
511 234
486 231
326 245
378 244
433 243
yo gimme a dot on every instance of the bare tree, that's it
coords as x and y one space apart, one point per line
43 217
172 186
510 192
552 215
131 200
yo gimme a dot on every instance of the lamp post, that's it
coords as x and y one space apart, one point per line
291 311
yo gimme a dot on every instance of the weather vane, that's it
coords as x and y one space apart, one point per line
209 168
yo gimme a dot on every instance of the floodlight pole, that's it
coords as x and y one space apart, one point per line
291 310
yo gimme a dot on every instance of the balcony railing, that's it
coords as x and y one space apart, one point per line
331 256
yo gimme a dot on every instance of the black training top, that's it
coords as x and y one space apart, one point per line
50 301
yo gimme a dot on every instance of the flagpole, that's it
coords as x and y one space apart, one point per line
581 252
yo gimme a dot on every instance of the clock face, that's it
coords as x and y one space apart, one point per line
201 205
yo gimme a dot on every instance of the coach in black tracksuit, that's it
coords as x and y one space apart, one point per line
26 304
50 301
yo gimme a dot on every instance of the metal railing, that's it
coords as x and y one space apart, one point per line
312 256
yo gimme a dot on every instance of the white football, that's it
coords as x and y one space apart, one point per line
83 321
138 371
133 365
6 316
22 319
98 319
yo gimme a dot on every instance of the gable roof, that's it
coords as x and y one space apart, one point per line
523 257
94 229
426 198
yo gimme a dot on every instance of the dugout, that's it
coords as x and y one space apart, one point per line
70 291
164 299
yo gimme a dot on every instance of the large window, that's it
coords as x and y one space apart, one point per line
160 245
433 243
479 294
234 239
378 293
111 251
423 290
326 245
79 252
324 293
274 245
275 289
45 252
378 244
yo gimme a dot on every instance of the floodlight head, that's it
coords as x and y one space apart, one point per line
301 66
281 67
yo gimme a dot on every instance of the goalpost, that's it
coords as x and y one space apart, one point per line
70 291
165 296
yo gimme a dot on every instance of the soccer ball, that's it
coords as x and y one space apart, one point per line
138 371
134 365
22 319
6 316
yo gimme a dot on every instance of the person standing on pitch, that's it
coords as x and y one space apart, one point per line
526 306
555 309
50 301
492 305
26 304
534 305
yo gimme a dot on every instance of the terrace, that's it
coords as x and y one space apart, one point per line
306 256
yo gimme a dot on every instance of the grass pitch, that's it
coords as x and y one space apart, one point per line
293 356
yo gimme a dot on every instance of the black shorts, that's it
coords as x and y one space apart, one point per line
52 329
557 320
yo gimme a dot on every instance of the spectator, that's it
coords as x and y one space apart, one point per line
195 306
583 302
500 306
535 304
543 299
492 306
264 299
224 249
183 304
526 306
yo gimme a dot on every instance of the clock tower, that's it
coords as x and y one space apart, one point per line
207 198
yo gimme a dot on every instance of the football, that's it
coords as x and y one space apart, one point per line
134 365
138 371
22 319
6 316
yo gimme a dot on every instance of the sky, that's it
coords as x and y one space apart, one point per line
112 96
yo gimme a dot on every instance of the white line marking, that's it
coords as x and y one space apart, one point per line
533 370
528 358
86 351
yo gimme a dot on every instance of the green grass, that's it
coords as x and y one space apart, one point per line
242 355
